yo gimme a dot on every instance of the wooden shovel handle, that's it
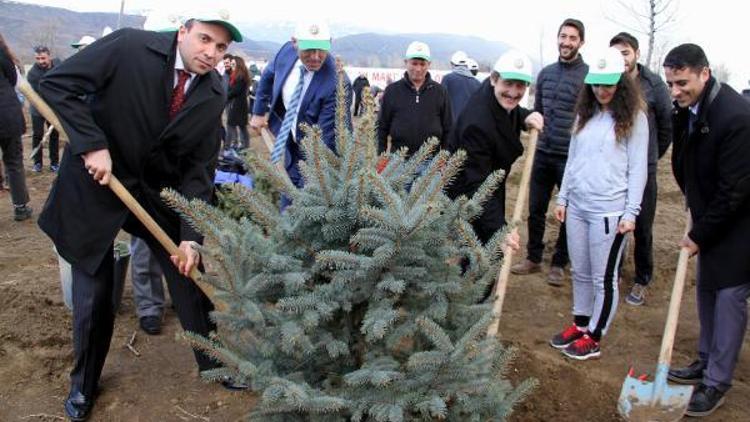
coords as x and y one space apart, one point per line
501 284
670 328
121 193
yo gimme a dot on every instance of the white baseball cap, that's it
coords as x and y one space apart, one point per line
162 22
459 58
83 42
313 36
418 50
473 65
606 68
218 17
514 65
106 31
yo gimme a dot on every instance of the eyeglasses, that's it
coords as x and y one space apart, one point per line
41 49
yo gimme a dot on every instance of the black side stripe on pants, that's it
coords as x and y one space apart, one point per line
609 286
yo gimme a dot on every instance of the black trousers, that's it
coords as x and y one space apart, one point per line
546 173
643 254
37 125
12 153
93 316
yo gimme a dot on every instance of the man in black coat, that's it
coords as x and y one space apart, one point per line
415 108
489 131
360 83
711 162
145 107
44 63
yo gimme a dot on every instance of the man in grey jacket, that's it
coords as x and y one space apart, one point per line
654 92
557 90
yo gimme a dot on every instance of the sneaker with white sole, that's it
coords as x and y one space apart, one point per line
582 349
637 295
566 337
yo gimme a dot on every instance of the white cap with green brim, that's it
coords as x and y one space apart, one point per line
418 50
84 41
313 36
162 22
218 17
514 65
606 68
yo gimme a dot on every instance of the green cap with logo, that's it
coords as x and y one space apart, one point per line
606 68
514 65
313 36
418 50
218 17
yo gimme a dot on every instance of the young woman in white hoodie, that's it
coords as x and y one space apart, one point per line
600 197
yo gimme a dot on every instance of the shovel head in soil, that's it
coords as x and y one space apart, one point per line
642 400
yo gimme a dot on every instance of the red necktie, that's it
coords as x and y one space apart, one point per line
178 93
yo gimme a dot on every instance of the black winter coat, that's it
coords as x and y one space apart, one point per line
491 138
712 167
12 123
115 94
412 116
659 115
557 89
35 75
237 107
360 82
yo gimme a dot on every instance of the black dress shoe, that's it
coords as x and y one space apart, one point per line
233 384
151 325
77 406
692 374
704 401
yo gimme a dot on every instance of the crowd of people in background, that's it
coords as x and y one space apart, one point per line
604 122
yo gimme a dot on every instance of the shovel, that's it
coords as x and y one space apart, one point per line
501 284
125 197
641 400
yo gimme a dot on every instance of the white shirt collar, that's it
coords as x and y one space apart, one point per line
180 65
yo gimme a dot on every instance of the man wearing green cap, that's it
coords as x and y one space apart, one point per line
489 131
146 107
298 86
415 108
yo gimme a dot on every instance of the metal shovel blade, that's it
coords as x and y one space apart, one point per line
644 401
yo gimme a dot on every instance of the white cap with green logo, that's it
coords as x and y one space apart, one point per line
418 50
606 68
514 65
313 36
218 17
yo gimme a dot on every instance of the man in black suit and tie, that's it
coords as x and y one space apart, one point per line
146 107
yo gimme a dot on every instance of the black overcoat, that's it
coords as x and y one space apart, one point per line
712 167
115 94
237 107
491 138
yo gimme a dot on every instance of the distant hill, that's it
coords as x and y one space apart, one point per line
378 50
25 25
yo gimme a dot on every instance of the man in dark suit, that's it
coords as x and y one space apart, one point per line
711 162
298 86
145 107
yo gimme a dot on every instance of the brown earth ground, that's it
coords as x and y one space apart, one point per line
162 384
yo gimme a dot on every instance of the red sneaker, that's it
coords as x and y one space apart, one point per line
563 339
583 348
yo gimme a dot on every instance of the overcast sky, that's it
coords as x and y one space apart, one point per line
721 27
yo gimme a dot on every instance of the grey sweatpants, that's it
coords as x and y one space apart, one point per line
595 248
